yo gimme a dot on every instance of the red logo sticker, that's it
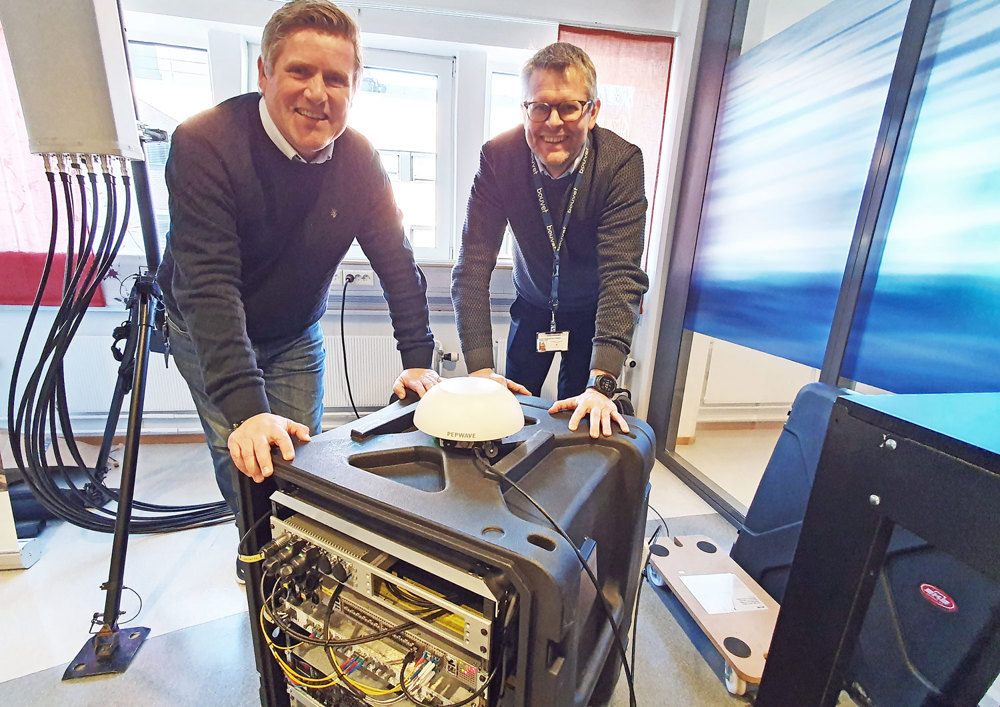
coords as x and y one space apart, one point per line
937 597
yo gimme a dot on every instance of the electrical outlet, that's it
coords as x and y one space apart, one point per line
338 279
362 277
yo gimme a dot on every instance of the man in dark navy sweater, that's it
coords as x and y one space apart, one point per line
573 196
267 193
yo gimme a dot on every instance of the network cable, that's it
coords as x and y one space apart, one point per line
348 279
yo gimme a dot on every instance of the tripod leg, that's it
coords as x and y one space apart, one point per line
112 649
121 390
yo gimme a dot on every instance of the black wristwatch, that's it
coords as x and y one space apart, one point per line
603 383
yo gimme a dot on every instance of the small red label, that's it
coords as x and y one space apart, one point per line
937 597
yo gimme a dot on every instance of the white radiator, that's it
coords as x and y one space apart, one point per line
373 364
91 371
500 355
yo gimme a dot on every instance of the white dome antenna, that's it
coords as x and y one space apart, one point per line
469 410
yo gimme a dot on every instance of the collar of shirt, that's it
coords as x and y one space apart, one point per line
573 167
286 147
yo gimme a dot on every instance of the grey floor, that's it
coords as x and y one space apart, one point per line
199 650
675 663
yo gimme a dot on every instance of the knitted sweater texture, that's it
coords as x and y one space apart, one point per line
600 258
255 239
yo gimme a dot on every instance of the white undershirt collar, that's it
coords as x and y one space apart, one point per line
286 147
573 167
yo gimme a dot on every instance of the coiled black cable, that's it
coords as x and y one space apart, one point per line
42 413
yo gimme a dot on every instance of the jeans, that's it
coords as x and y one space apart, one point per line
528 367
293 383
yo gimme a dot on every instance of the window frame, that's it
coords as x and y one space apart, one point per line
443 67
507 68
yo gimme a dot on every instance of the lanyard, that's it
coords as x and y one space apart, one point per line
550 226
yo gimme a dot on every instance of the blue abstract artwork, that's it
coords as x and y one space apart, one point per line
796 132
794 143
930 321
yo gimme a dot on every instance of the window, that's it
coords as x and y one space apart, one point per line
171 84
404 107
504 113
505 102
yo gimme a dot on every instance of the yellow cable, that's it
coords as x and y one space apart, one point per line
267 638
327 681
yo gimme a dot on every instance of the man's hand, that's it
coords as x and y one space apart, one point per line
419 380
600 408
506 382
250 443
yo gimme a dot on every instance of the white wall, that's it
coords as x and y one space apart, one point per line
766 18
429 18
687 45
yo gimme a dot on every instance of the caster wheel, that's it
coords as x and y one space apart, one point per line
734 683
654 577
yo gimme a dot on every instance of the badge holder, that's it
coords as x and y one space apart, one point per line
552 340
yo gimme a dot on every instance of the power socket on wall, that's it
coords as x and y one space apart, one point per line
363 277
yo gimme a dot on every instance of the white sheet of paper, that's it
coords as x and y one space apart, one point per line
722 593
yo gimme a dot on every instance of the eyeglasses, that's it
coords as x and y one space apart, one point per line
569 111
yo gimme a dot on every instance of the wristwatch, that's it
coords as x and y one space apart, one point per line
603 383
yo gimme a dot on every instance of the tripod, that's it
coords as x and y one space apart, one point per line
112 649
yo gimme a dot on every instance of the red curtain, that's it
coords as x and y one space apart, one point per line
632 75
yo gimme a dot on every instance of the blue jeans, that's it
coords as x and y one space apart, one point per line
293 382
529 367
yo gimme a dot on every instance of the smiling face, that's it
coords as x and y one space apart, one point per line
309 88
555 142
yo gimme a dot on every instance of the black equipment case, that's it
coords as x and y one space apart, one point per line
384 474
930 618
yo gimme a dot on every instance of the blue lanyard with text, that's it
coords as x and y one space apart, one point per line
550 227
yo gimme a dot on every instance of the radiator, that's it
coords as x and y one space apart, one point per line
500 355
373 364
91 372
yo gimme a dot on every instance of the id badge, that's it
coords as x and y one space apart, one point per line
547 342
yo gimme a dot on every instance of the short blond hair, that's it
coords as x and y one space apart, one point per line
320 15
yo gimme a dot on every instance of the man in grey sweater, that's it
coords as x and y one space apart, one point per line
573 196
267 192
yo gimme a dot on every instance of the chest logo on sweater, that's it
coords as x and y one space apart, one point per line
333 213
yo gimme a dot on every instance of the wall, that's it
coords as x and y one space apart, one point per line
766 18
439 19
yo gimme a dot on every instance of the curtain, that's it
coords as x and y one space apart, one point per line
632 75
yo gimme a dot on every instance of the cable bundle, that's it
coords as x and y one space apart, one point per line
42 414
